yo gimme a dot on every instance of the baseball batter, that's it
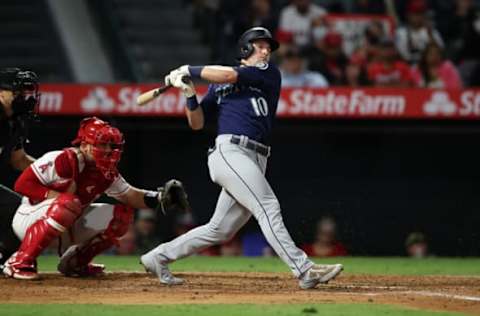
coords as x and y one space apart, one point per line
245 99
59 189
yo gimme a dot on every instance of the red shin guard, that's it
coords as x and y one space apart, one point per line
61 215
77 259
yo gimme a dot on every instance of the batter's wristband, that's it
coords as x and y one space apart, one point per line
195 71
192 103
150 198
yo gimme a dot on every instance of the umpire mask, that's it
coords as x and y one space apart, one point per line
24 85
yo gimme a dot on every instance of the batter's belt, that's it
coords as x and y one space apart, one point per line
251 144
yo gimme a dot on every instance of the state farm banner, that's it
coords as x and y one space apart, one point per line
371 103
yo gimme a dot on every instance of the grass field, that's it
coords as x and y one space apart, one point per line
353 265
345 296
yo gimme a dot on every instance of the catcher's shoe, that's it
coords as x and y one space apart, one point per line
319 273
160 269
70 267
20 270
90 270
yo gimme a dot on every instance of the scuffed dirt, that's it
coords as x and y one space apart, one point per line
447 293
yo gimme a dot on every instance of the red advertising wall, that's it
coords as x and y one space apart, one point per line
371 103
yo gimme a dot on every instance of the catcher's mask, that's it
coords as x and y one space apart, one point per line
245 44
24 85
107 142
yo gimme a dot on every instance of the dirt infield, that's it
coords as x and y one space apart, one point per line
448 293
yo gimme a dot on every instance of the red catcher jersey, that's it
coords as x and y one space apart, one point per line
58 169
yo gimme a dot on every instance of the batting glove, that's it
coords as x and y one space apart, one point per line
186 85
183 71
173 76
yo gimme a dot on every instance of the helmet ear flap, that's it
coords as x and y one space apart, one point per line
245 46
246 50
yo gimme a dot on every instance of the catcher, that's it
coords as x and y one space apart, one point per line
58 191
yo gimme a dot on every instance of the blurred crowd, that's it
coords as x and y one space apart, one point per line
381 43
323 241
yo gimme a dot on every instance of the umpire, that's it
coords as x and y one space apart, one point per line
19 98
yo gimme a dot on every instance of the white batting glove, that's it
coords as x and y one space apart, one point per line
188 89
173 76
168 81
183 71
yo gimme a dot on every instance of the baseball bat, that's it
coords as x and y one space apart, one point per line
148 96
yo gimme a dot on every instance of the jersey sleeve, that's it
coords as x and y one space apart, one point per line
209 101
118 187
29 185
53 167
262 75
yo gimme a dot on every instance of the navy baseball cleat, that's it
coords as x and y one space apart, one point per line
319 274
160 269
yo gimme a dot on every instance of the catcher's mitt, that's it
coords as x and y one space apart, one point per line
173 197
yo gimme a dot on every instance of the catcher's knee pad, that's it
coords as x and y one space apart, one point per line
63 212
118 226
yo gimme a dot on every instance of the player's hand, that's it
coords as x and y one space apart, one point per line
175 74
178 79
183 71
187 86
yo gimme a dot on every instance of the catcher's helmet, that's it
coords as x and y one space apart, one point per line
99 133
245 47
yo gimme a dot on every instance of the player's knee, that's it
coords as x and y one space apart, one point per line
122 218
65 209
267 209
69 202
220 234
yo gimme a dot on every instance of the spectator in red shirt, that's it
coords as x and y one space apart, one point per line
389 70
325 244
434 71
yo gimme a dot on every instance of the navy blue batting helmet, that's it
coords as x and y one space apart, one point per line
245 47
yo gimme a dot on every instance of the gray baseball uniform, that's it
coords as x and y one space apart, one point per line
237 163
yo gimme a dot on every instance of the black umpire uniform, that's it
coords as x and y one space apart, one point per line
17 108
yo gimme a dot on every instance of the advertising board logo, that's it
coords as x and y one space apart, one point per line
440 104
97 100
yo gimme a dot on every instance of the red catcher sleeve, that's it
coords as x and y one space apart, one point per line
30 186
65 164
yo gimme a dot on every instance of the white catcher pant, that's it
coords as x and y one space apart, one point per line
94 220
246 192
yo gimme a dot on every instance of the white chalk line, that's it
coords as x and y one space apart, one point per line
403 290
